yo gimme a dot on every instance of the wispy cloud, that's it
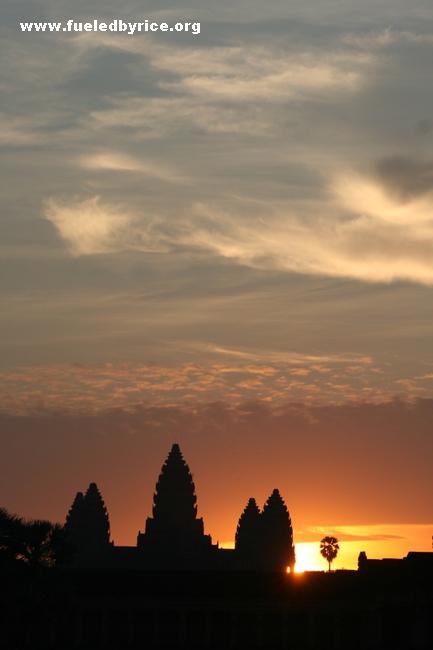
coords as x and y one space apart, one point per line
94 227
225 89
244 72
89 227
384 238
119 162
386 38
241 74
155 117
291 358
352 533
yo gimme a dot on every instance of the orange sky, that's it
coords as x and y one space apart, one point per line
224 240
382 540
360 472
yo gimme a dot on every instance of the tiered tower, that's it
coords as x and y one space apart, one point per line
264 540
247 540
277 535
174 535
174 531
88 525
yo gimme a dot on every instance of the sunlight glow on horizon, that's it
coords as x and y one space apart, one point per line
378 541
308 557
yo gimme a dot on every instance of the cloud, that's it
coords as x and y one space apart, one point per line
244 72
88 227
405 178
378 532
383 239
224 89
114 161
17 132
287 357
391 201
258 201
349 533
386 38
278 379
260 74
92 227
155 117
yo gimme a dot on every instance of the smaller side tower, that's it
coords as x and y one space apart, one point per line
247 540
75 524
277 548
88 526
98 522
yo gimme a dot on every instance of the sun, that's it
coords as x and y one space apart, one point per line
308 557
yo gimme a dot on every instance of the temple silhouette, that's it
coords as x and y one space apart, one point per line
174 537
176 590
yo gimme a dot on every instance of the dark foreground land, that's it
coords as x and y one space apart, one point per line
121 610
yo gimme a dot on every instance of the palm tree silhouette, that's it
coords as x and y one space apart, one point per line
329 548
34 542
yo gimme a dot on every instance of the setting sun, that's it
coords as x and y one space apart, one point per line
308 557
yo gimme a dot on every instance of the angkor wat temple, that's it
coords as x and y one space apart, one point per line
174 536
134 598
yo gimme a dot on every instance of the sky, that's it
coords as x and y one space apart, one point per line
225 240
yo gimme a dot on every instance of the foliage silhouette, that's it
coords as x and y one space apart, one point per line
11 538
329 549
34 543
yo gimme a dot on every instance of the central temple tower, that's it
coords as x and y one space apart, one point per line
174 531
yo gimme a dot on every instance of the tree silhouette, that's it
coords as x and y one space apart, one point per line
329 549
11 537
44 543
34 542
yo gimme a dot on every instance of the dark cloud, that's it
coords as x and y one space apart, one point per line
405 178
424 127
